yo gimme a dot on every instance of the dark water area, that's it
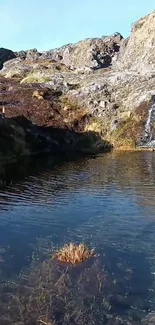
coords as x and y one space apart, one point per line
107 202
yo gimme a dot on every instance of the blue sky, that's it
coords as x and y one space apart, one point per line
46 24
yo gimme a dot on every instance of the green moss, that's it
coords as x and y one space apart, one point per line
31 78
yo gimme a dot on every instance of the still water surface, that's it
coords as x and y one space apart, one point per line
108 202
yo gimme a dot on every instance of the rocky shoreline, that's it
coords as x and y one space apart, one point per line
34 124
85 97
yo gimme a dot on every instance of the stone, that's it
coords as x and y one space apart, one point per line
5 55
103 104
39 94
150 319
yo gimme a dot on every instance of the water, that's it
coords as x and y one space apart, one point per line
108 202
149 140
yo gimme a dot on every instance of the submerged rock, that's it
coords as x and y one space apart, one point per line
150 319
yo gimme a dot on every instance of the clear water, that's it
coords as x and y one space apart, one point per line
108 202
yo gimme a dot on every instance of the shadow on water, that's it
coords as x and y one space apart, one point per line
106 202
16 171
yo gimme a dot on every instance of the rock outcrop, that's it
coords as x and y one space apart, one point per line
5 55
92 53
36 123
109 80
138 52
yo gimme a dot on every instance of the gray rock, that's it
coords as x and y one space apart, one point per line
5 55
92 53
138 52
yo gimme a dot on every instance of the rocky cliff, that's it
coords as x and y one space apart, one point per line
137 53
103 85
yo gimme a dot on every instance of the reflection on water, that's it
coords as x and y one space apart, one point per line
109 203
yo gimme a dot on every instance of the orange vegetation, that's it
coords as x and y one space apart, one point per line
74 254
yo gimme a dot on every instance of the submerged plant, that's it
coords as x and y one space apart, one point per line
74 254
43 322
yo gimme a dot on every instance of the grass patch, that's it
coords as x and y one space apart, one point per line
69 103
48 64
126 134
14 74
31 78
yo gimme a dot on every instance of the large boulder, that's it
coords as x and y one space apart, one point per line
5 55
138 52
30 55
89 54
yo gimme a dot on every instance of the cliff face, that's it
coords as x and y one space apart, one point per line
138 52
104 85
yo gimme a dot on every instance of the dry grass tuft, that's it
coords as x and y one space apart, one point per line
43 322
74 254
34 78
94 124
